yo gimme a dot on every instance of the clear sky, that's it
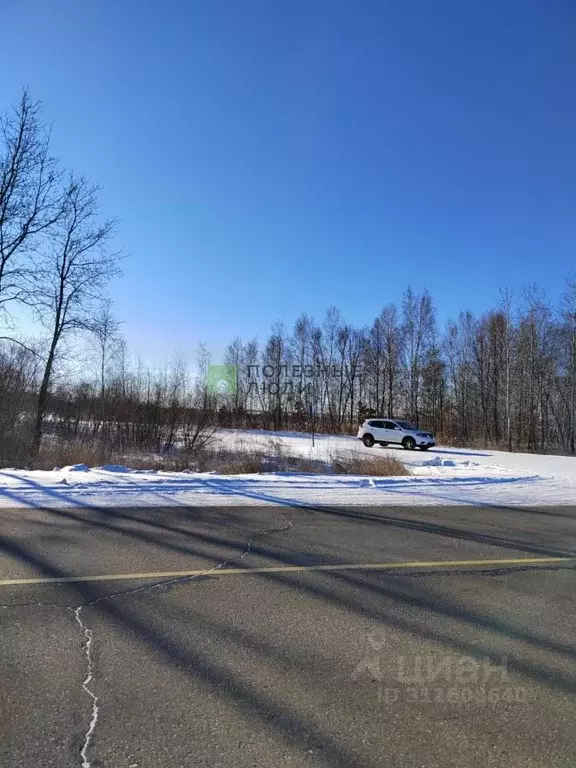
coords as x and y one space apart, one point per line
268 157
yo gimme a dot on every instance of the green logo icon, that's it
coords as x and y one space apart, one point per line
221 379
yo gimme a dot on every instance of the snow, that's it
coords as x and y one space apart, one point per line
440 476
75 468
115 468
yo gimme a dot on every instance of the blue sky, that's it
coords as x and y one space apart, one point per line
268 158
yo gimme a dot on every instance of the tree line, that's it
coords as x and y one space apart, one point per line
504 379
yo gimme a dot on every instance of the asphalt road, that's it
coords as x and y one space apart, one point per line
458 664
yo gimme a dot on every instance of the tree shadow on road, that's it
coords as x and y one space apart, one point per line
400 602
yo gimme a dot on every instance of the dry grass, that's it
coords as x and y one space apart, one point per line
61 454
378 466
244 459
230 462
239 462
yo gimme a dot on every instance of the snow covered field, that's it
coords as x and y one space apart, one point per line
440 476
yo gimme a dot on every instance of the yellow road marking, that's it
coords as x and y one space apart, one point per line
290 569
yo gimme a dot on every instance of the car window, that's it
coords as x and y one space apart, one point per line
390 425
407 426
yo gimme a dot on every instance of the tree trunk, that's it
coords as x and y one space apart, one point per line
43 401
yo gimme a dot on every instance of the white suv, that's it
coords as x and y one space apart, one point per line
385 431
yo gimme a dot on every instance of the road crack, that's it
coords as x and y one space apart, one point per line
85 683
87 633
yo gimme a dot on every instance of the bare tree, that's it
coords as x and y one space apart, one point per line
506 330
301 354
234 356
274 357
31 199
392 351
200 426
418 330
70 282
18 375
569 318
105 330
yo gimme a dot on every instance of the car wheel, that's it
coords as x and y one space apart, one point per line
409 443
424 447
368 441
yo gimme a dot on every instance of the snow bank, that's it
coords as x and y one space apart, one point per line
439 461
75 468
114 468
442 476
